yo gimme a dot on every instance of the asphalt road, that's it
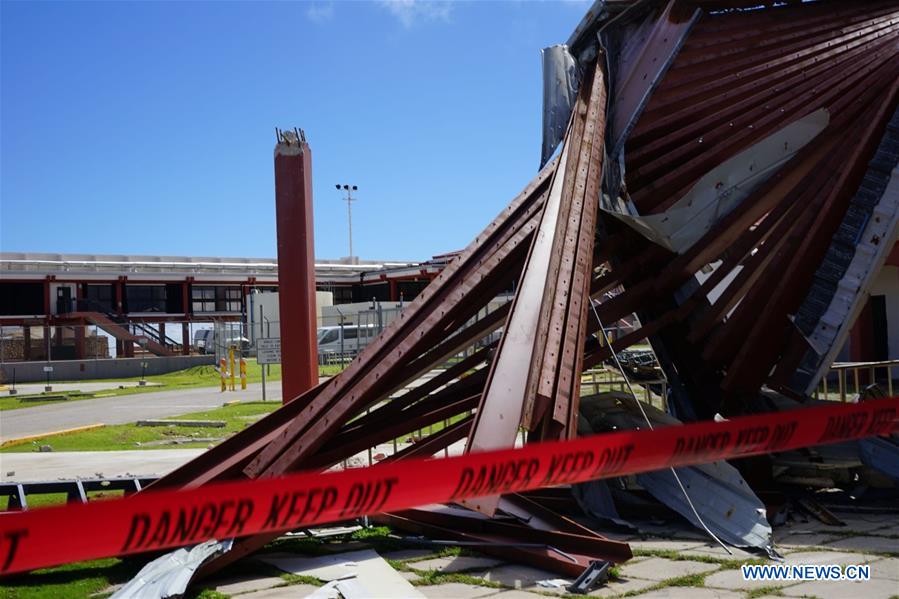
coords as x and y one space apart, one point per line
49 418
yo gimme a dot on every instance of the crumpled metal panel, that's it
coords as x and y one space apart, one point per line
560 85
724 187
881 455
595 498
727 504
169 575
582 34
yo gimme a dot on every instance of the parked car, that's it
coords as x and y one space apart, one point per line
204 339
204 342
349 338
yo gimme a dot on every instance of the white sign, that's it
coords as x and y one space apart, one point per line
268 350
48 369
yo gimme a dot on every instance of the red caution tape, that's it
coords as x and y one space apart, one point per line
158 520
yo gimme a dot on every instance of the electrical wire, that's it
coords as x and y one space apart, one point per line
627 381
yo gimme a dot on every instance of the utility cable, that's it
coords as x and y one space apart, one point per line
627 381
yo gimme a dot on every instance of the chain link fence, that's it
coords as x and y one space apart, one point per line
97 342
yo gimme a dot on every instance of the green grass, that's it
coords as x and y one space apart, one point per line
691 580
14 402
726 563
190 378
292 579
70 581
131 436
764 591
433 577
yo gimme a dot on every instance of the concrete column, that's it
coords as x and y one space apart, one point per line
296 265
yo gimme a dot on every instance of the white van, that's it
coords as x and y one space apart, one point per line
203 339
350 338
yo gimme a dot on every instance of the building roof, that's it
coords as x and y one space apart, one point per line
25 265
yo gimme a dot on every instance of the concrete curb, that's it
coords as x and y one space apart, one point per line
22 440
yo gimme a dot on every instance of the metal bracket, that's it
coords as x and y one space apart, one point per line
595 574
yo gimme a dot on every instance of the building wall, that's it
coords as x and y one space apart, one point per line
887 284
271 312
114 368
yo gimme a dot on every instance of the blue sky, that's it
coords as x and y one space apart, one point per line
148 128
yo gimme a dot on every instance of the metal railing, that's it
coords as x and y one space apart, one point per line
847 380
605 378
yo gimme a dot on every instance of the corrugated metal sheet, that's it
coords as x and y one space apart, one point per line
169 575
719 493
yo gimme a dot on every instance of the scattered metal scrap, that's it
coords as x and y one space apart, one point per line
169 575
187 423
713 152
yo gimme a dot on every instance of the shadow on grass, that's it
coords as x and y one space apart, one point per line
73 580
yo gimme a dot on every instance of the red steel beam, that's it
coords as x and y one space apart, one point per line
296 270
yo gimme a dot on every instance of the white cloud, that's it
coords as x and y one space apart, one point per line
320 12
410 12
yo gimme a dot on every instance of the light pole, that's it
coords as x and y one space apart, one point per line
349 199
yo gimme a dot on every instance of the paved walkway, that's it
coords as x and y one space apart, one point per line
36 420
682 566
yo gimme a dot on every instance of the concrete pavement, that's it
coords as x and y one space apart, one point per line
53 465
25 422
25 467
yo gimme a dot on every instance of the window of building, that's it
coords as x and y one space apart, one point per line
339 294
98 297
202 299
216 298
145 298
19 299
228 299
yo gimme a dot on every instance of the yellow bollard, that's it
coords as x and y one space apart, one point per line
222 372
231 356
243 374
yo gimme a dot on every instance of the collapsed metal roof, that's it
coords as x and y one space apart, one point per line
750 124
